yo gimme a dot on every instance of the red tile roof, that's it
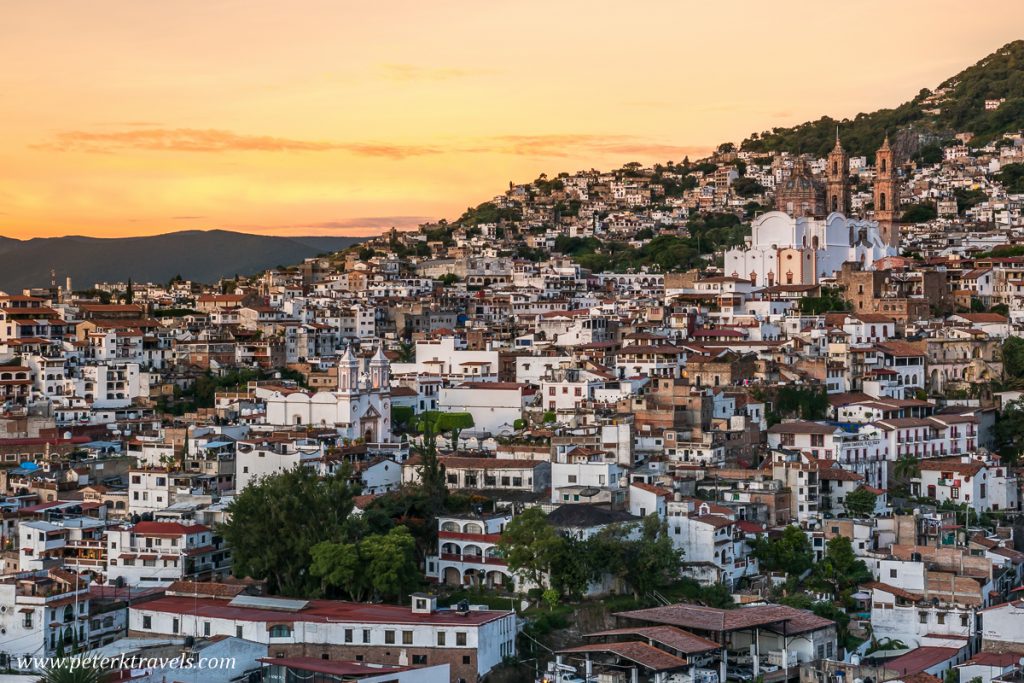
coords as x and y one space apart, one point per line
651 488
713 619
318 611
675 638
1000 659
917 661
643 654
333 667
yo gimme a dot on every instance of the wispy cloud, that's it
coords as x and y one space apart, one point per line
193 140
413 72
187 218
129 124
214 140
565 145
363 225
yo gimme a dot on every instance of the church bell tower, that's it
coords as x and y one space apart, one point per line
837 172
886 195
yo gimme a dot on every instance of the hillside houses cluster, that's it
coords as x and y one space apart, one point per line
836 352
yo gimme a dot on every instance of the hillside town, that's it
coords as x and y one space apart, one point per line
755 417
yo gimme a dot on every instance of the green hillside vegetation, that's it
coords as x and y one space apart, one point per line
708 233
1012 177
962 109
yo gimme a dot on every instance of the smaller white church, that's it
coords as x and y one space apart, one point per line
787 250
359 408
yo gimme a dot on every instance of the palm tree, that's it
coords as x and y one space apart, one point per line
905 468
63 672
406 352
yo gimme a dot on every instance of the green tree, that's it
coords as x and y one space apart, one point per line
275 523
391 562
790 553
382 563
402 416
431 472
642 555
839 570
448 279
919 213
1009 432
1012 177
406 351
341 566
573 566
806 403
1013 358
653 560
831 299
530 545
550 598
747 187
436 422
968 198
904 470
860 503
129 294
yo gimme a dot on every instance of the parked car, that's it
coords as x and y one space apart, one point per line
739 673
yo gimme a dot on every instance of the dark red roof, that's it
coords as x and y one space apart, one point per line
713 619
643 654
675 638
333 667
921 659
319 611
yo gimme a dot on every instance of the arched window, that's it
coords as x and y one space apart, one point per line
835 168
835 203
883 165
881 201
814 242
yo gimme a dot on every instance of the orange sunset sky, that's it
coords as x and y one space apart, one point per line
334 117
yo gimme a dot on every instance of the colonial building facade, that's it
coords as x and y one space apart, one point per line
360 407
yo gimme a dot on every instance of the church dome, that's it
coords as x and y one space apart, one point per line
800 194
799 182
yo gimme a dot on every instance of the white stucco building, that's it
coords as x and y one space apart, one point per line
783 250
359 408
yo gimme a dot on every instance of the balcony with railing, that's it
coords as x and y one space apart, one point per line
474 559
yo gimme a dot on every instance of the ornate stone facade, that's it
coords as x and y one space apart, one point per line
887 198
837 173
800 194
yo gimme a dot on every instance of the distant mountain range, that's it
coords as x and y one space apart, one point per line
957 105
204 256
